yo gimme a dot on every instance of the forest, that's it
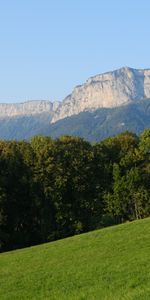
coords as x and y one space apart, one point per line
55 188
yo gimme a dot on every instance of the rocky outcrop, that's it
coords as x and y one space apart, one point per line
27 108
108 90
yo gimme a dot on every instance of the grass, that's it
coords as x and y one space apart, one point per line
112 263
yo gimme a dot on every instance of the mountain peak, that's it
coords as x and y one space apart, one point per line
110 89
126 68
107 90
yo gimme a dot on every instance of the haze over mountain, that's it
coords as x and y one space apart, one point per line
107 93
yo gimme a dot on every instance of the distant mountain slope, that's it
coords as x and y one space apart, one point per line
24 127
111 263
103 106
93 126
105 122
111 89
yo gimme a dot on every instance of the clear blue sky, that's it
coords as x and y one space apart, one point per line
47 47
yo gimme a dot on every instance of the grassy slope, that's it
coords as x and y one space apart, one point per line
113 263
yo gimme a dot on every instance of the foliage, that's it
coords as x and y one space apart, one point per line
51 189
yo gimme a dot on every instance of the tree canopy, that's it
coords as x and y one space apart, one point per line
51 189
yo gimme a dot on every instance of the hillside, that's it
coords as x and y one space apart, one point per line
111 89
24 127
103 106
102 123
111 264
92 125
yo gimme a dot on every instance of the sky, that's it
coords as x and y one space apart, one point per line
48 47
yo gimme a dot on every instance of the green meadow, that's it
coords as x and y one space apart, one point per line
111 263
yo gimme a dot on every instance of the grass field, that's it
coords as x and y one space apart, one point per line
113 263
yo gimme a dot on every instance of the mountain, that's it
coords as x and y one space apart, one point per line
107 90
111 89
93 125
28 108
103 106
99 124
24 126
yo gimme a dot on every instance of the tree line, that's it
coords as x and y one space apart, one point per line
52 189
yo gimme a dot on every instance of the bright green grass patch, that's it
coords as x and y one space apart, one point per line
112 263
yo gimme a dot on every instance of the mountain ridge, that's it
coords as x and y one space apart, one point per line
109 89
27 108
93 125
121 102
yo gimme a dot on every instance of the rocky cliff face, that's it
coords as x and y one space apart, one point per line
27 108
108 90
